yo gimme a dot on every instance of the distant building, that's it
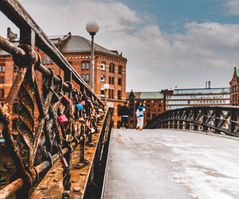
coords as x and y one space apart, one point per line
208 96
234 88
110 68
153 102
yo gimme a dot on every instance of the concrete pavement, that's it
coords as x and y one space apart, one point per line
167 164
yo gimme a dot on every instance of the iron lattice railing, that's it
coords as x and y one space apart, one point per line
53 117
212 118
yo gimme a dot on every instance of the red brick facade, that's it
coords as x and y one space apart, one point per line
234 88
110 68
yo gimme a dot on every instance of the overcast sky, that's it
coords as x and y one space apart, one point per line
168 43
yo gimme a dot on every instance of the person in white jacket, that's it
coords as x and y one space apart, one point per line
140 116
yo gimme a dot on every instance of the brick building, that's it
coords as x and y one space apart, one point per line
110 68
192 97
153 102
234 88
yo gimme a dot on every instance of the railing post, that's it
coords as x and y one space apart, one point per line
234 116
165 124
217 120
180 124
204 127
27 37
187 125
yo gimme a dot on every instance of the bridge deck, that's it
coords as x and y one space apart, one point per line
171 164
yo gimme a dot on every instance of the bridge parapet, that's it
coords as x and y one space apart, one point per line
212 118
54 118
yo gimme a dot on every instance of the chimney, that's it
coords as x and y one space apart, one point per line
209 84
206 84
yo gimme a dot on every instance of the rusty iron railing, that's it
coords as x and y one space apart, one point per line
54 117
214 119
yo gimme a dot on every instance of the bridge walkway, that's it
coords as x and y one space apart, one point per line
164 163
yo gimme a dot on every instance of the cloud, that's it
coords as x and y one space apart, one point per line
156 60
232 7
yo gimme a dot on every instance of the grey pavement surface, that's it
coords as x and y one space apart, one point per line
167 164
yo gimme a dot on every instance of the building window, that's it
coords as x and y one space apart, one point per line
85 65
112 68
102 78
119 95
120 69
14 124
102 92
87 78
119 81
102 66
15 108
111 93
2 68
2 79
111 80
1 92
83 77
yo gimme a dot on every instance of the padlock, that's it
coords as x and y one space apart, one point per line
65 100
79 107
62 119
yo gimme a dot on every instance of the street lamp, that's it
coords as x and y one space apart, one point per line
106 88
92 28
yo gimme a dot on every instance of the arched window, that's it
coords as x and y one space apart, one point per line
103 66
112 68
120 69
85 65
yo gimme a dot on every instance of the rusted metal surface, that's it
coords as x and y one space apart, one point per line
11 188
10 47
43 151
212 118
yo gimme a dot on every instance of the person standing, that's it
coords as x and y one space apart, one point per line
140 109
124 115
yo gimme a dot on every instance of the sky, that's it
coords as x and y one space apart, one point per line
168 43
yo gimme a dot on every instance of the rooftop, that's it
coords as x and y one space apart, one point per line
75 44
147 95
202 90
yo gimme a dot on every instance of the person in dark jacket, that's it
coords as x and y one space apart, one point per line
124 115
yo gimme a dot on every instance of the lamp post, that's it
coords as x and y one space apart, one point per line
92 28
106 88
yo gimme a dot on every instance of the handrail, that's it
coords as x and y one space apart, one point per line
215 119
53 117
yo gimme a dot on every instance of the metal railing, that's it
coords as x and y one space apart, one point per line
54 117
214 119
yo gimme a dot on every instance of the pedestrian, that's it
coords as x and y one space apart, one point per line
140 109
124 115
